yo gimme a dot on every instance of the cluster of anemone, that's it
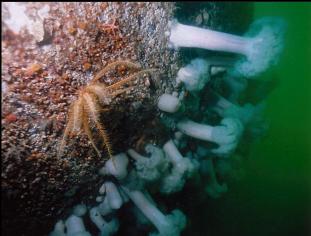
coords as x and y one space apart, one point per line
132 176
130 184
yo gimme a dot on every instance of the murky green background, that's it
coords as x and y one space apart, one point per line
273 198
278 180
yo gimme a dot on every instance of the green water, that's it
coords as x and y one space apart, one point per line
279 175
273 198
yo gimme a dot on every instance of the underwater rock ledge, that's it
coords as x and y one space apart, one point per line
46 61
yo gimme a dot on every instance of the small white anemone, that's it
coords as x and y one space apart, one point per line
166 225
182 168
226 135
168 103
261 45
149 168
197 73
106 228
75 226
116 166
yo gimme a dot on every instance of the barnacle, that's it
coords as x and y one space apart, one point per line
86 110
